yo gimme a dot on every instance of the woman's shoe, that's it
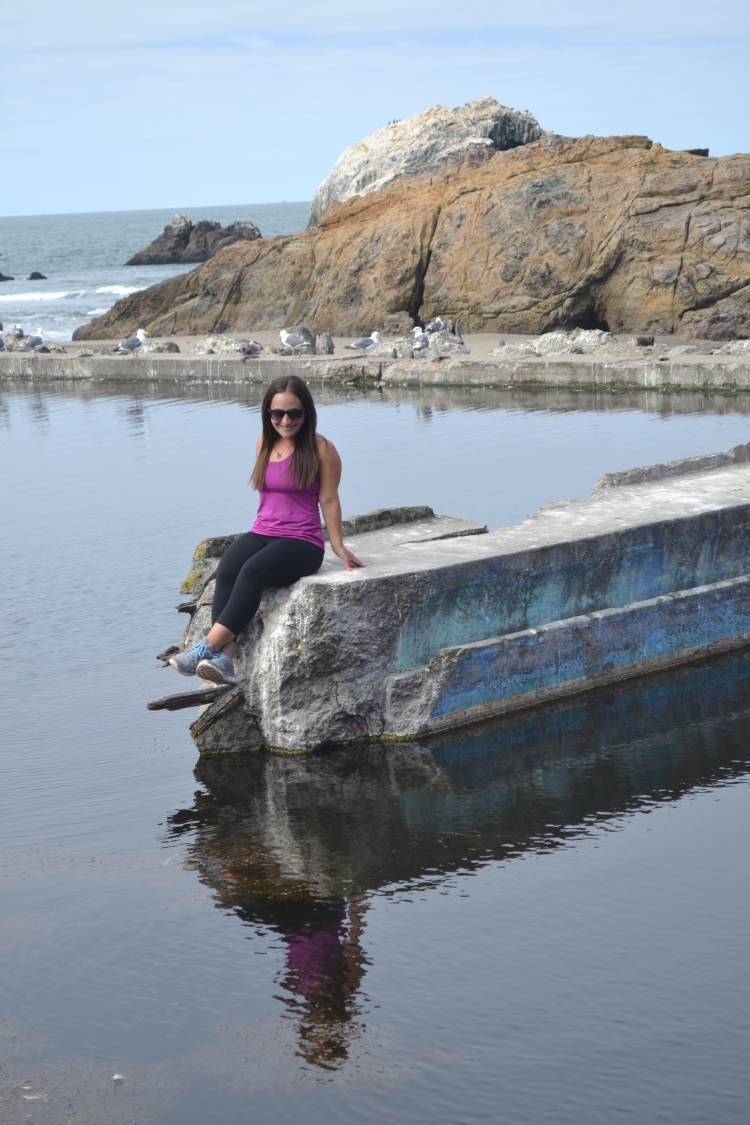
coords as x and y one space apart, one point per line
187 663
218 668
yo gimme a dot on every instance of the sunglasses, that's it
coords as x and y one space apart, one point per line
292 415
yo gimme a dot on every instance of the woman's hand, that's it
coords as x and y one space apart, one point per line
349 560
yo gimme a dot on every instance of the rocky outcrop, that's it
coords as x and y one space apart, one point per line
183 241
595 232
728 319
422 145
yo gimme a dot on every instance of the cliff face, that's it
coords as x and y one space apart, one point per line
185 241
562 232
422 145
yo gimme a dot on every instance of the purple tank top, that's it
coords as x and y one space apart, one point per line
285 512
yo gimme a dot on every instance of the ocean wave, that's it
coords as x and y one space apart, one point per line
119 290
96 312
19 297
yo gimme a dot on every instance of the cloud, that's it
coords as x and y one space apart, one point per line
141 105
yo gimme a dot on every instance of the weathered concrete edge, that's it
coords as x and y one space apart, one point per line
712 374
737 455
585 652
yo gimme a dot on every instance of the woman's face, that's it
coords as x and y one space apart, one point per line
286 428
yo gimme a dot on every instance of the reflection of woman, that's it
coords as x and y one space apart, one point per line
325 965
295 471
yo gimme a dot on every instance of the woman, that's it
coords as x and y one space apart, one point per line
295 470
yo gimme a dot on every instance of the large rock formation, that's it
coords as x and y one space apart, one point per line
422 145
184 241
593 232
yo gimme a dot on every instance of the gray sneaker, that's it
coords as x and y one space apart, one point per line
218 668
187 663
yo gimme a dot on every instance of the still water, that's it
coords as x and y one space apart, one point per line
543 920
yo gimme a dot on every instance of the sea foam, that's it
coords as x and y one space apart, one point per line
120 290
36 296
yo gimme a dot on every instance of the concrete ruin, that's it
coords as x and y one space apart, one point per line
450 625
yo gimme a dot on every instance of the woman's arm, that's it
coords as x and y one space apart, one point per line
330 506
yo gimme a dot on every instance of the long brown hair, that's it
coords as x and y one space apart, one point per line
305 462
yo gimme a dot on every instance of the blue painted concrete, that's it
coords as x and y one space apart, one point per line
587 649
493 597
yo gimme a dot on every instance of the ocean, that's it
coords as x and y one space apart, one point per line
83 259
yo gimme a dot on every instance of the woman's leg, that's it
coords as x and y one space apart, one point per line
227 572
279 563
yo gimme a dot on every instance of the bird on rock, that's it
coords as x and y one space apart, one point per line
31 343
421 341
365 344
435 325
293 341
133 345
16 331
250 349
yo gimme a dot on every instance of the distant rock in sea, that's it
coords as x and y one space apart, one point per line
36 276
184 241
422 145
3 277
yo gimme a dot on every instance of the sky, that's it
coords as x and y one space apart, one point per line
110 105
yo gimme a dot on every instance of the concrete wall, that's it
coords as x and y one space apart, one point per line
436 633
564 657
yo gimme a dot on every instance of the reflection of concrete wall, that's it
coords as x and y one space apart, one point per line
277 835
383 652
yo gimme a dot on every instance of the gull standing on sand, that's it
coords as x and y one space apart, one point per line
133 345
421 341
366 344
435 325
291 340
31 343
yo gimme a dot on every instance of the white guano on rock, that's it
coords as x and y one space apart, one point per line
422 145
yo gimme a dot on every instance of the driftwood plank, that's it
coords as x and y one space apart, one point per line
209 717
189 698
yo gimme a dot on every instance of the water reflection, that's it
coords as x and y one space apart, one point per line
296 845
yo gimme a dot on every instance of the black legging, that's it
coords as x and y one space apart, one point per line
252 562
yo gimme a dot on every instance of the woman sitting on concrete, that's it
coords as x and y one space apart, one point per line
295 470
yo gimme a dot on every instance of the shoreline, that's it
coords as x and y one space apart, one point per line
684 373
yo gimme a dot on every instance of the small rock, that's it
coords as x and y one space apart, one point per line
159 347
4 277
324 343
641 341
36 276
307 336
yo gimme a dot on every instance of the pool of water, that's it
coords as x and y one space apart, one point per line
544 920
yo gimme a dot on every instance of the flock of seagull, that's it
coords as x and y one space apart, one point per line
296 343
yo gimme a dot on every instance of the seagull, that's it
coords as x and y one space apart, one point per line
435 325
421 342
291 340
366 344
31 343
133 345
17 331
250 349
